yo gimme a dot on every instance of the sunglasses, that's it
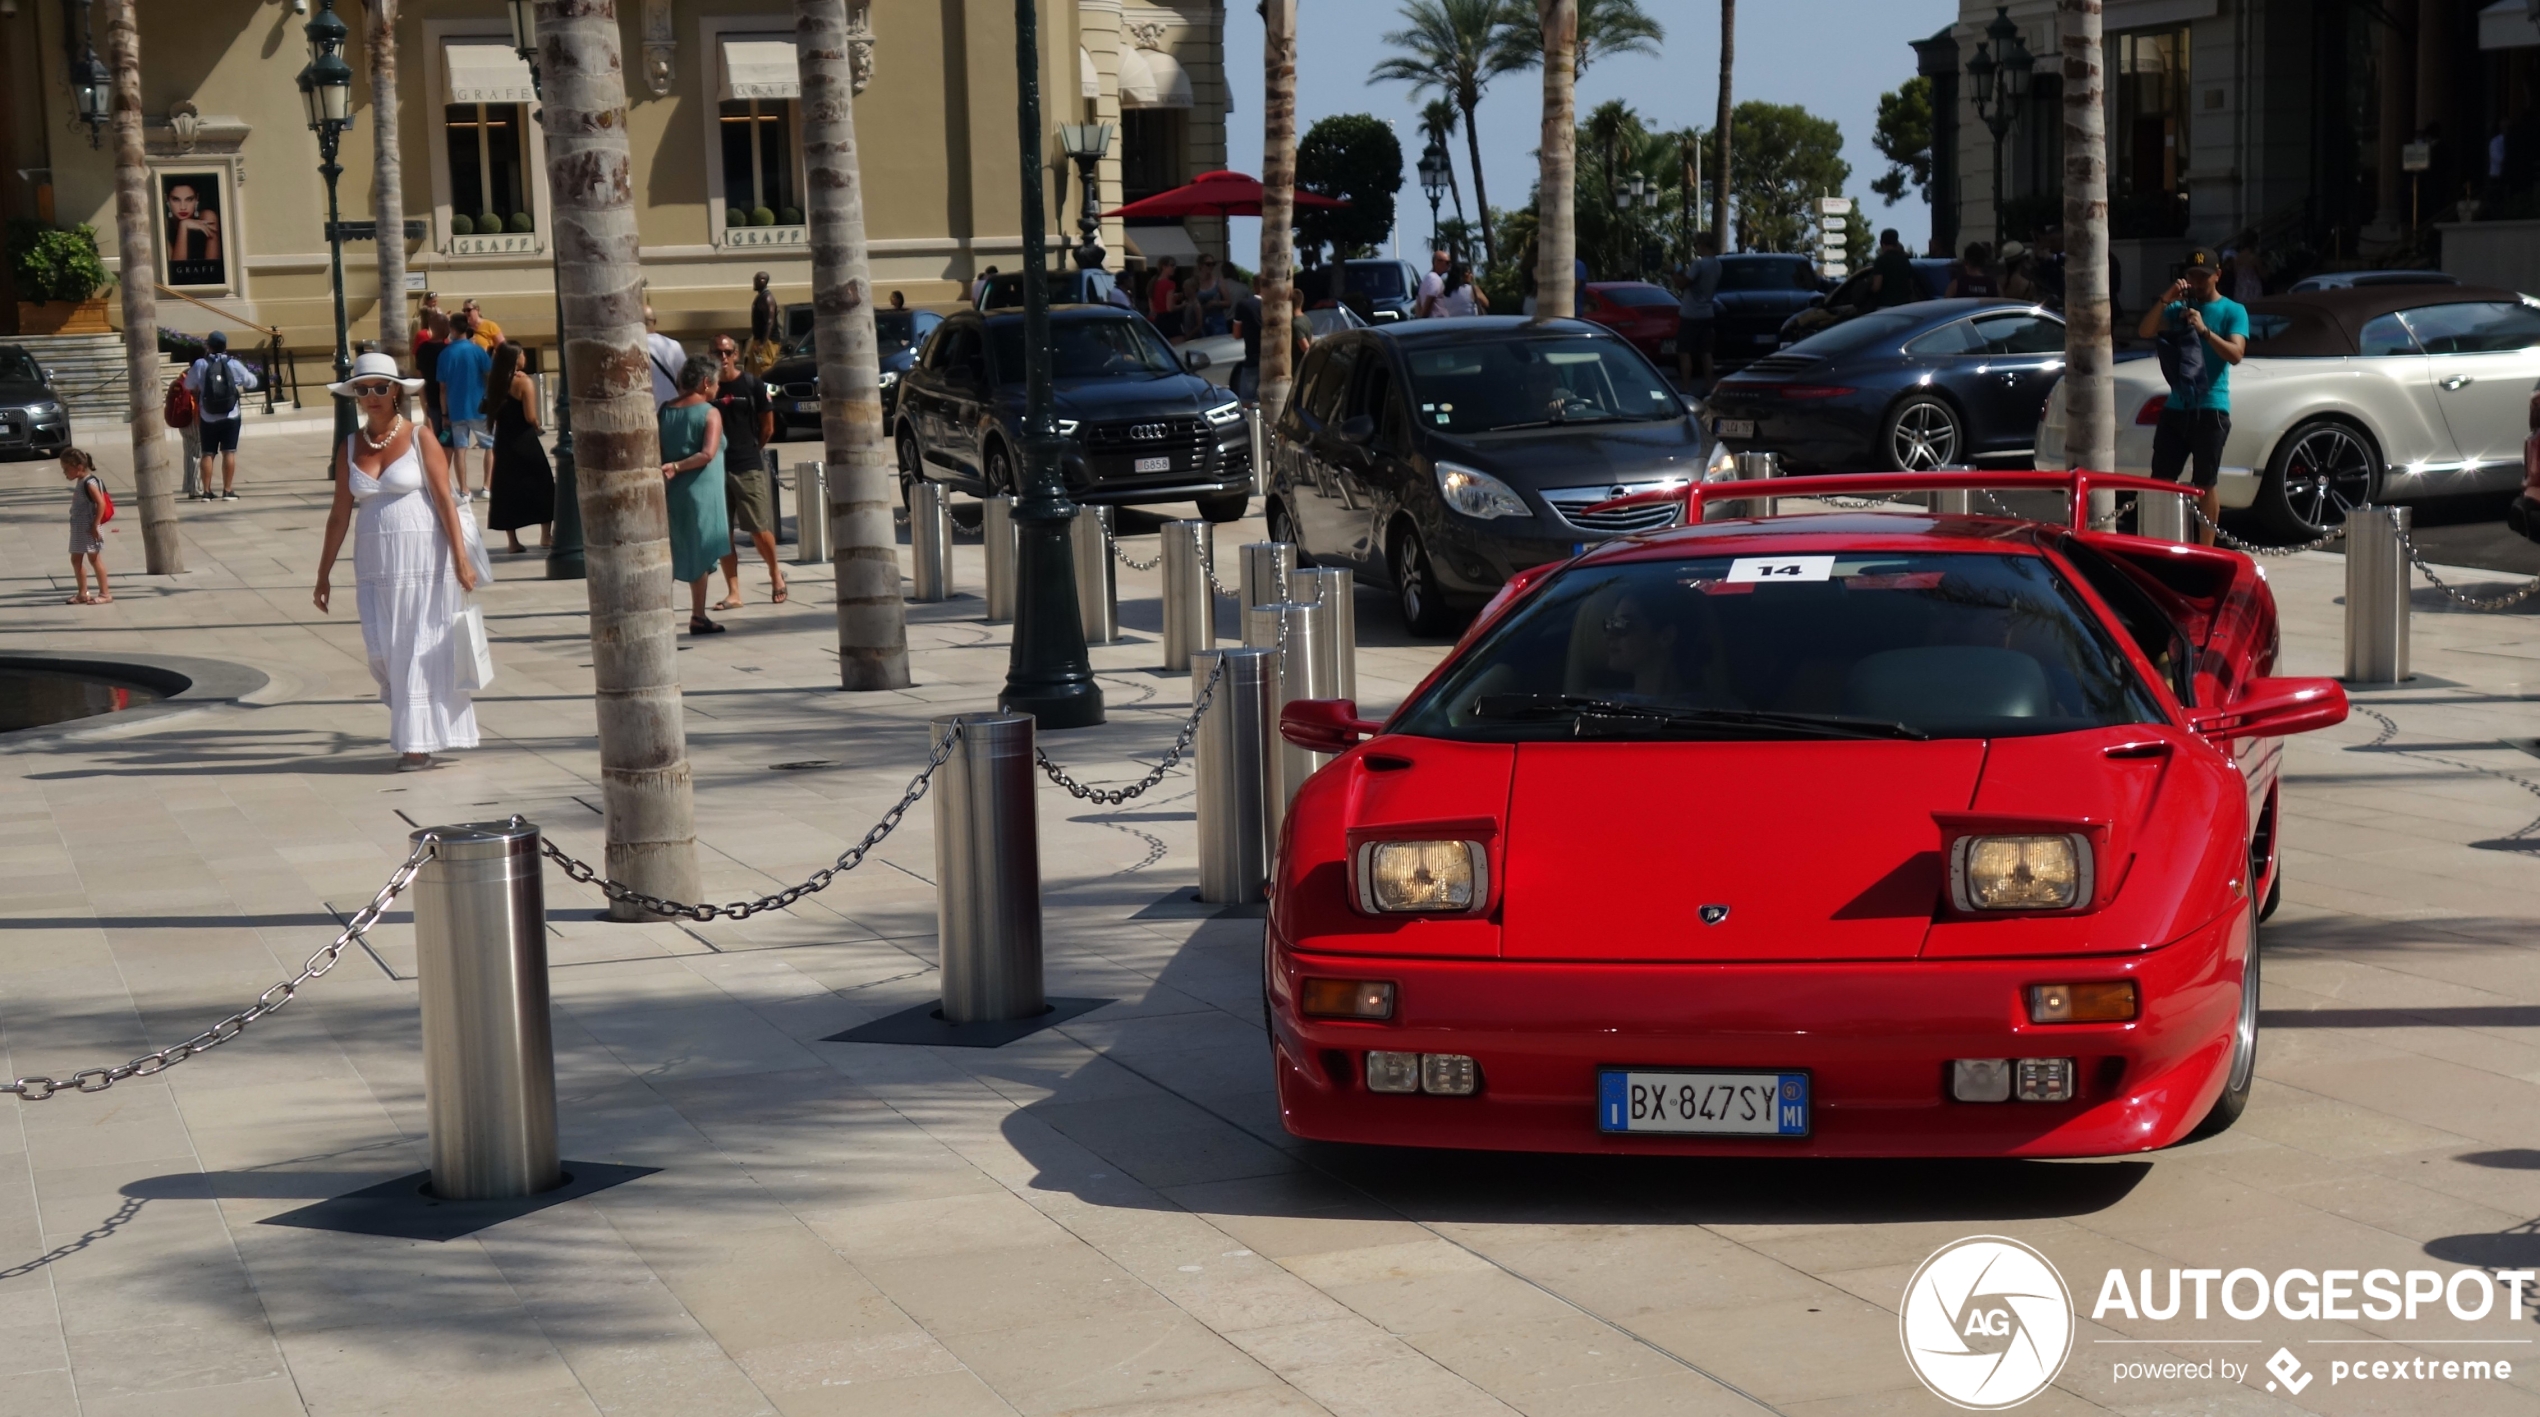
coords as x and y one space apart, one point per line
373 390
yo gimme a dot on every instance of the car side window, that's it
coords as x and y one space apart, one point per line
2020 334
1317 359
2152 630
2486 327
2385 335
1323 399
1378 402
1956 337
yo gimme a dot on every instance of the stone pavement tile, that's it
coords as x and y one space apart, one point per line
1115 1360
1787 1350
2330 1126
1298 1213
1621 1271
982 1220
2464 1101
1356 1369
987 1290
126 1360
40 1394
266 1397
881 1347
1163 1140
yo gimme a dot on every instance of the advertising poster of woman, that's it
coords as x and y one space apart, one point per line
196 249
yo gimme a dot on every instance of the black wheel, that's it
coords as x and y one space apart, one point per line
1415 586
2321 470
911 460
2275 897
1921 434
1282 526
997 470
2244 1055
1227 508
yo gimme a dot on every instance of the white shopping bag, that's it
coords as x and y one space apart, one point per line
475 540
471 656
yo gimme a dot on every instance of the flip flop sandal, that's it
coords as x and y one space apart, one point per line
699 625
729 602
779 597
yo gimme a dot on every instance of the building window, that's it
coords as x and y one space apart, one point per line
2149 196
758 164
488 149
1150 151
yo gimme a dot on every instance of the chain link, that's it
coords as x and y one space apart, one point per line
37 1089
2501 602
847 860
2197 509
1219 587
1115 796
1122 557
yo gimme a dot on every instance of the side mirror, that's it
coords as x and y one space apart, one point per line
1194 359
1358 428
2274 708
1324 725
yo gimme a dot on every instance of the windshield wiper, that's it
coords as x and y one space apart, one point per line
1584 708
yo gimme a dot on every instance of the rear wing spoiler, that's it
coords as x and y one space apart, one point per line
2078 485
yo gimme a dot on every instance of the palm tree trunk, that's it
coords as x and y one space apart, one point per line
645 785
1722 125
2090 388
1558 189
872 619
1481 192
1278 202
162 553
388 193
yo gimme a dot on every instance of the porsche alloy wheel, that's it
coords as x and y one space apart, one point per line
1921 435
2321 471
2244 1054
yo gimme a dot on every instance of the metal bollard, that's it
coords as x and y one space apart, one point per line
1265 571
1955 502
930 542
1292 632
988 870
489 1058
1260 448
1234 782
996 534
1333 592
1097 583
1760 467
811 514
2377 585
2159 516
1190 609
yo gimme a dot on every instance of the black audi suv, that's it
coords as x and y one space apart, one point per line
793 382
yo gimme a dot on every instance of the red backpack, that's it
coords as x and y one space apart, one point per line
105 500
180 407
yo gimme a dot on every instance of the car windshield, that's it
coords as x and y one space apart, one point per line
17 366
1767 275
1879 327
1848 645
1638 295
1534 381
1088 349
1380 281
895 330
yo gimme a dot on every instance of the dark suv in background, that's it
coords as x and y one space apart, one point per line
1139 427
793 382
1758 291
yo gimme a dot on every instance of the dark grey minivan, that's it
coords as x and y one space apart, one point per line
1441 457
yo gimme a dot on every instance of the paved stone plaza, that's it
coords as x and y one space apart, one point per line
1106 1216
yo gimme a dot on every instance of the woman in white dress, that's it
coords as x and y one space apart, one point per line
410 562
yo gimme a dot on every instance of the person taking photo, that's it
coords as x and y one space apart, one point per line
2198 334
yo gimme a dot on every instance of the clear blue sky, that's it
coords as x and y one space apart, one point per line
1834 57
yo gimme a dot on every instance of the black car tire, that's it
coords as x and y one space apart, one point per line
2244 1055
1920 434
997 470
1415 586
1282 526
1225 507
2319 470
910 459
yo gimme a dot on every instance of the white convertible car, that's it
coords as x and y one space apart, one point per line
2380 394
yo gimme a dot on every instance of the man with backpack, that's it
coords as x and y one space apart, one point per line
2198 334
219 385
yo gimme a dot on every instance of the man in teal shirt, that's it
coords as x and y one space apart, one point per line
2202 335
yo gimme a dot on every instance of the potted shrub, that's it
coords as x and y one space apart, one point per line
60 279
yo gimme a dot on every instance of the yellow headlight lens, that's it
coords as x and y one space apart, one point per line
1442 876
2022 872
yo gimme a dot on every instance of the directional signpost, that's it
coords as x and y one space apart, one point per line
1831 237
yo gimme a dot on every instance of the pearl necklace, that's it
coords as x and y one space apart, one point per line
377 444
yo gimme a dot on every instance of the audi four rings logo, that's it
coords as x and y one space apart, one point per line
1987 1323
1147 432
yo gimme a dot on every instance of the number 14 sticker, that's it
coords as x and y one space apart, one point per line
1757 570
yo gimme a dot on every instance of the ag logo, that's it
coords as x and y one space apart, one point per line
1987 1323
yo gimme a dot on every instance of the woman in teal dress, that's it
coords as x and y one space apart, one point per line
692 452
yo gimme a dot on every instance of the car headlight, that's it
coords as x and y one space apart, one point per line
776 391
1722 466
2020 872
1478 494
1067 427
1226 414
890 377
1421 877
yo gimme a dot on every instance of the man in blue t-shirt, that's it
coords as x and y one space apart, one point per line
463 372
2193 318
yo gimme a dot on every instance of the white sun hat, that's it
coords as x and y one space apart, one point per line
373 366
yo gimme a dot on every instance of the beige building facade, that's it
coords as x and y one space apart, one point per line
713 101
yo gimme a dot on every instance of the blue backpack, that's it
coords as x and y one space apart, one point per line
2182 354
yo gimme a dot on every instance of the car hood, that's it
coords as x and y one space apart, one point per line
1126 398
16 392
1580 454
802 368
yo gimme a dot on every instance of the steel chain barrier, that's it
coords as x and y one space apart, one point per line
1113 541
2501 602
2197 509
847 860
37 1089
1115 796
1216 586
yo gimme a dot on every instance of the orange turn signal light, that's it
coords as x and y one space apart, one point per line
1346 998
2114 1001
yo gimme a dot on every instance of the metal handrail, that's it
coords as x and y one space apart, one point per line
269 332
272 344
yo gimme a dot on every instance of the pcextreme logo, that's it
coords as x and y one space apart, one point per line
1987 1323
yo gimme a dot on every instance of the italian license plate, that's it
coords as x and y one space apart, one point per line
1733 428
1703 1104
1164 464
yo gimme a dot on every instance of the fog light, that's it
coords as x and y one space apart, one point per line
2046 1079
1346 998
1980 1079
1449 1074
1393 1072
2112 1002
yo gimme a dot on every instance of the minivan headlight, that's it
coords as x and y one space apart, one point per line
1422 877
1478 494
2020 872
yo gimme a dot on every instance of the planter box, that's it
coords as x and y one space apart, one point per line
61 317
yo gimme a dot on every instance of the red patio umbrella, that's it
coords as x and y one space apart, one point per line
1214 194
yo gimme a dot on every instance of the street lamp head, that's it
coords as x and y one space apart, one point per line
330 79
1085 142
524 26
1433 172
1981 70
2017 65
94 89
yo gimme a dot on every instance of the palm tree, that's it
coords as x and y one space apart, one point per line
646 791
1278 203
1605 27
1722 124
2090 391
1688 156
1557 242
1439 121
162 553
1616 132
872 619
1454 48
388 177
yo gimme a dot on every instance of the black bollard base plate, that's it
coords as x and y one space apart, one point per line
925 1026
406 1209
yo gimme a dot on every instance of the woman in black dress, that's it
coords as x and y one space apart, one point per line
524 487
